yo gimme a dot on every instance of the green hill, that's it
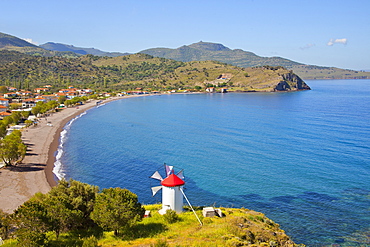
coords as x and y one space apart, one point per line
7 40
144 71
203 51
7 56
12 43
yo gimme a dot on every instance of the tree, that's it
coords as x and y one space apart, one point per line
70 205
3 130
12 149
62 99
117 209
25 114
31 219
28 123
3 89
36 110
5 224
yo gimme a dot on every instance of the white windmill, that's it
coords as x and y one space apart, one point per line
172 194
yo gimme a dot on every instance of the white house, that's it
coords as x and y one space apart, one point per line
4 102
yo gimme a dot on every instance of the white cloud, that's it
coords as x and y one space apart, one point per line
31 41
308 46
337 41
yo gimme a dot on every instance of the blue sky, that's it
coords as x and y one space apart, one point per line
325 33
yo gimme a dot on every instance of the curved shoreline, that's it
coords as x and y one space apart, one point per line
35 174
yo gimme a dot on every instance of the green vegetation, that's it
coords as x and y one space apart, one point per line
12 149
76 214
117 209
71 210
135 71
310 72
203 51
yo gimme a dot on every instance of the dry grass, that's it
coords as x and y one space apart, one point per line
239 227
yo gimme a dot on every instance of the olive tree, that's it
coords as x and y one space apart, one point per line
12 149
117 209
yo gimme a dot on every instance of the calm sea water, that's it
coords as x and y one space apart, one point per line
302 158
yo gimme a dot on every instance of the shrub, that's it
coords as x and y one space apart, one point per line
160 243
171 216
90 242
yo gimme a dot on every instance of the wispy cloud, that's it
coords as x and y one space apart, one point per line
308 46
31 41
337 41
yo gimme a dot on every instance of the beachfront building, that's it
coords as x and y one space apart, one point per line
40 99
211 90
24 93
4 102
4 114
3 108
10 95
11 89
41 90
28 103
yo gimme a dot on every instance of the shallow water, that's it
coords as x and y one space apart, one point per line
302 158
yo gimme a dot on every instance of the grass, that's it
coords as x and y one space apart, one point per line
238 227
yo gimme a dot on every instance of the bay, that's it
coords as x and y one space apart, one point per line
302 158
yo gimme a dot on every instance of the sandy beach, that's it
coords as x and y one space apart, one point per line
35 174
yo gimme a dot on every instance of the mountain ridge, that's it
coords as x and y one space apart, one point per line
80 50
200 51
10 40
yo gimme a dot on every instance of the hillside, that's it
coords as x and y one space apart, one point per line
239 227
312 72
79 50
7 40
202 51
7 56
12 43
143 71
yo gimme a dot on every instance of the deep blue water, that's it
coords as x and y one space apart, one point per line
302 158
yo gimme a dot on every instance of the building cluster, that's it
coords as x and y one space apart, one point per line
28 99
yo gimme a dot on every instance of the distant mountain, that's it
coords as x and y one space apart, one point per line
79 50
7 40
12 43
203 51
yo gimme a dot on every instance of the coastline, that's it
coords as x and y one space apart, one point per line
35 174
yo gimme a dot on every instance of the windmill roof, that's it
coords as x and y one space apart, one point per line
172 181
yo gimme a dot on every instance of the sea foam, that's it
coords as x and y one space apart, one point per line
58 166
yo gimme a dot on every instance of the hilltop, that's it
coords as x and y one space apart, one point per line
202 51
12 43
143 71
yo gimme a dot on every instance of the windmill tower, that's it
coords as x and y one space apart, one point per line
172 194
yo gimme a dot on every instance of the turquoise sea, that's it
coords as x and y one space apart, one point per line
301 158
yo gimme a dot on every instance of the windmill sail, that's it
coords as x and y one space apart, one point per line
181 174
156 189
156 175
169 169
